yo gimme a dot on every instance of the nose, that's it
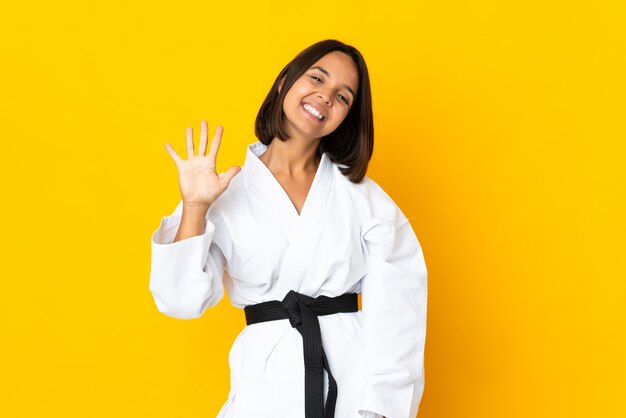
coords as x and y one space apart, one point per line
325 97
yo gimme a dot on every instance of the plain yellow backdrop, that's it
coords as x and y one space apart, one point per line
499 132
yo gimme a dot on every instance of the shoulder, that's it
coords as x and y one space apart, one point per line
370 200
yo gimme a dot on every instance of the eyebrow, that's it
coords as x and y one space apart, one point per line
328 74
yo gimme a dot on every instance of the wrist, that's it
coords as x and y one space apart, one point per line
196 207
194 211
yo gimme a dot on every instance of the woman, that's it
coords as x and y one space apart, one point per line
300 232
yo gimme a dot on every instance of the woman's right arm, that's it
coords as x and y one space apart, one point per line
186 264
185 274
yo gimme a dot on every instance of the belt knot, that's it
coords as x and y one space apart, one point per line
298 305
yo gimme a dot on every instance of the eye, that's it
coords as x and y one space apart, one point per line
343 98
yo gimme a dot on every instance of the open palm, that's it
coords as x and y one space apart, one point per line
200 183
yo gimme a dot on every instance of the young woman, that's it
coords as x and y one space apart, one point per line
293 236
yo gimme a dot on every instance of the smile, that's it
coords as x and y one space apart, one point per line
313 113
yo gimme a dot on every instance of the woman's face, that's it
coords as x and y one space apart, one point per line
328 88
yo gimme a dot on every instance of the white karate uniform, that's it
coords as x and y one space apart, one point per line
349 238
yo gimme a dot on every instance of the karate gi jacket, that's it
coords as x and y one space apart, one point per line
348 238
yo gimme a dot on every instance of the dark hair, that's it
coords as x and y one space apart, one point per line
352 143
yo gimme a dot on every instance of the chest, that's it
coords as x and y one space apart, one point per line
323 245
296 189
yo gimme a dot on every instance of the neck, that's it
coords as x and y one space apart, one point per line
292 157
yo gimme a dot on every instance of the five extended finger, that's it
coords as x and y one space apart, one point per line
189 134
173 153
215 144
204 134
228 175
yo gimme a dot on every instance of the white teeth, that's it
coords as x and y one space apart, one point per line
314 112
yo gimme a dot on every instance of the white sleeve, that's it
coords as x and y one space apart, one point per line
393 298
185 276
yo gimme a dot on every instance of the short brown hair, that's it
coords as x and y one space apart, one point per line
352 143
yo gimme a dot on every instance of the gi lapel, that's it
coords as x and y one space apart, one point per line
298 228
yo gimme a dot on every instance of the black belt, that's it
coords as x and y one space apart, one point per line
302 312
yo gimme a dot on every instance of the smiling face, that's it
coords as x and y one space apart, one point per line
320 99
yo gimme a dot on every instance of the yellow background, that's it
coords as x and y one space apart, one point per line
499 132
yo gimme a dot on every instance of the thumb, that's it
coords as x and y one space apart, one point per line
228 175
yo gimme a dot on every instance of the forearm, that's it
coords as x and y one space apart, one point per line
192 222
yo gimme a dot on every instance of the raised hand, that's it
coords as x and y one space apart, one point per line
200 184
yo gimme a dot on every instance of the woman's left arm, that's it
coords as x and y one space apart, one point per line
394 297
